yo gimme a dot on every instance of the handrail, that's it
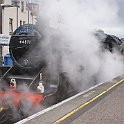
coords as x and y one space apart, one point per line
5 73
35 78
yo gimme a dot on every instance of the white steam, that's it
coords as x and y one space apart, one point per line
79 51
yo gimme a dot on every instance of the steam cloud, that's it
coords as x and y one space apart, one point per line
76 49
69 44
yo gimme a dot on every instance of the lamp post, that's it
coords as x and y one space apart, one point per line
17 15
28 15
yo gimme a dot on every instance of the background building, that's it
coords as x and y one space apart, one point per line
14 13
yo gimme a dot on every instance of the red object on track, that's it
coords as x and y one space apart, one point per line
14 97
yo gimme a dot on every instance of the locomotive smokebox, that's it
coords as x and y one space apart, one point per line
23 47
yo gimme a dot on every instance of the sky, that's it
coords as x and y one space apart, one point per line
105 14
119 29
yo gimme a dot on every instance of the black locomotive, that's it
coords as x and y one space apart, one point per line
29 62
28 83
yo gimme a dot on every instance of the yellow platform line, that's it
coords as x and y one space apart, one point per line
86 103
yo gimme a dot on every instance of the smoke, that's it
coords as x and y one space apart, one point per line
69 39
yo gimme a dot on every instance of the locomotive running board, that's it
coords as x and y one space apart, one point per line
21 77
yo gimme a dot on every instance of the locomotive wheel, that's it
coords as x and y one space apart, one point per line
7 117
62 92
3 117
24 108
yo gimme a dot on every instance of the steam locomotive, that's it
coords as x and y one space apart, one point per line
28 84
109 42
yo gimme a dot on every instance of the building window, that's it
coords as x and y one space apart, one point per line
15 2
23 22
22 6
10 26
20 22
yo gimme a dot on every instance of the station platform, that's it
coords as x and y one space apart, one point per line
101 104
